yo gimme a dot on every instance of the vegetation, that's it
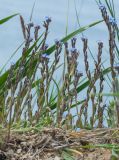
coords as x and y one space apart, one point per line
44 90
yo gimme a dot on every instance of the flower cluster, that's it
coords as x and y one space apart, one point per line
102 7
112 21
108 20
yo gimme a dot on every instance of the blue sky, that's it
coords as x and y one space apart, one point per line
11 35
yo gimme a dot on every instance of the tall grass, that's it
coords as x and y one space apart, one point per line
114 51
30 95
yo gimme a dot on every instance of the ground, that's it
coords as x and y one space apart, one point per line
58 144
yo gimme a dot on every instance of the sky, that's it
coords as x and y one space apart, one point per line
11 34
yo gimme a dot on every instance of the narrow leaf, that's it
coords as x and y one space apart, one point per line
7 18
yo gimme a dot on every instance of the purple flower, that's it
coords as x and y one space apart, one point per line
46 46
100 43
57 42
102 6
37 27
66 44
48 19
84 38
80 74
73 50
30 25
45 55
113 21
74 39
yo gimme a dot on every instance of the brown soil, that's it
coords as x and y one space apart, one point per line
58 144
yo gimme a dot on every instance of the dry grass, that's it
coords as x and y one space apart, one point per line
56 143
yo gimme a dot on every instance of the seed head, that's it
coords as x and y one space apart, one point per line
48 19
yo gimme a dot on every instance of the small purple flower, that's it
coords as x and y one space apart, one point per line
46 46
45 55
37 27
80 74
74 39
48 19
57 42
66 44
30 25
100 43
116 66
84 38
113 21
102 6
73 50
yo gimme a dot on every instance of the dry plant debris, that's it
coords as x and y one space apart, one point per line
58 144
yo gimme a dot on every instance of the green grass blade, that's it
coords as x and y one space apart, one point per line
10 58
80 88
85 84
67 156
7 18
3 77
31 15
67 18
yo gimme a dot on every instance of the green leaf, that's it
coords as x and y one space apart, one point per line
1 70
7 18
115 154
31 15
85 84
67 156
